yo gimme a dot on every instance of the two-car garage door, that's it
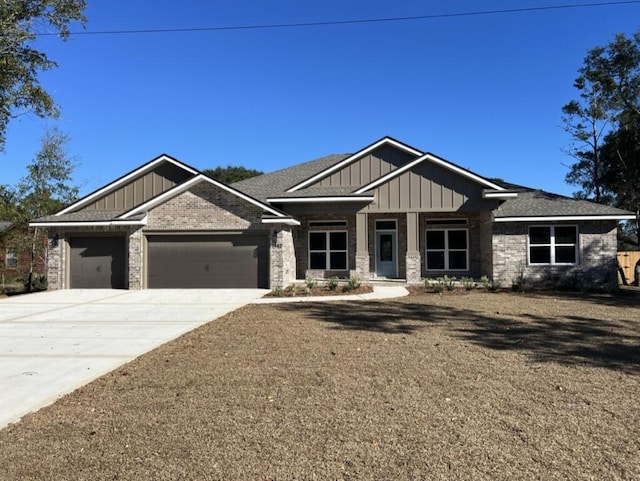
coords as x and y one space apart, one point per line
174 261
208 261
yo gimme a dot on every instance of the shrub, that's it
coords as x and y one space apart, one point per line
468 283
310 282
332 283
354 282
449 283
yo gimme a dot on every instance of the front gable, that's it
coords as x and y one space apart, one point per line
366 168
135 188
204 207
428 187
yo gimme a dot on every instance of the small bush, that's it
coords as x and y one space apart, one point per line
449 283
354 282
332 283
310 282
468 283
277 292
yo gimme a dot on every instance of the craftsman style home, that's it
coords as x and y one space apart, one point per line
388 211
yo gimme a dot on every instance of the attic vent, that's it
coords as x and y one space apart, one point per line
327 223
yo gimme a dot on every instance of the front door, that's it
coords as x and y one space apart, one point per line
386 251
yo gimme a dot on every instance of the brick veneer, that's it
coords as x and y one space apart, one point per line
597 256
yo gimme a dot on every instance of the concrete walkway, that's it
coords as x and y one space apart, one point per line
51 343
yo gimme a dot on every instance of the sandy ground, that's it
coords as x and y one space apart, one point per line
464 386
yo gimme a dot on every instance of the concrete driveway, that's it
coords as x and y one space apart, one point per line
54 342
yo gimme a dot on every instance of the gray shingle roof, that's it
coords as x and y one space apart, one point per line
275 184
537 203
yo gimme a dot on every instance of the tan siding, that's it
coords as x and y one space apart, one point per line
162 178
429 188
367 169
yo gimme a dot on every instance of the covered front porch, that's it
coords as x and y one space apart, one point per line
402 246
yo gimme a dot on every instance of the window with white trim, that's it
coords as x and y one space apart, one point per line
328 250
11 260
551 245
447 249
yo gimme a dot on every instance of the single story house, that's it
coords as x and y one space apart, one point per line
388 211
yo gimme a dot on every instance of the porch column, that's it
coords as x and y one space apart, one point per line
362 245
414 260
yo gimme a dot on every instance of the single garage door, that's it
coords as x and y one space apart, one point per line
208 261
97 262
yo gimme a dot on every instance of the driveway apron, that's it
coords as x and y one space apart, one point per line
51 343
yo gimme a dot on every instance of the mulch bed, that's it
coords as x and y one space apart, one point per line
462 386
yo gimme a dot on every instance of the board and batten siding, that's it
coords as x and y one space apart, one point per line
368 168
429 188
164 177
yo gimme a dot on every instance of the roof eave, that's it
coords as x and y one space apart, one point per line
499 194
90 223
561 218
320 199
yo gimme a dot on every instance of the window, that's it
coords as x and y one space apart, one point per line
553 244
447 249
11 260
328 250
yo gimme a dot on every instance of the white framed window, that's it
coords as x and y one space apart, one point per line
11 260
553 245
447 249
328 250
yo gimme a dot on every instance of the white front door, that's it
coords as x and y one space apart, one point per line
386 253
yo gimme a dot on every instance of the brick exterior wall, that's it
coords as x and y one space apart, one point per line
596 266
205 207
479 235
283 258
301 244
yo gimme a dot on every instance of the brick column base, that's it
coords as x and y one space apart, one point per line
414 267
362 266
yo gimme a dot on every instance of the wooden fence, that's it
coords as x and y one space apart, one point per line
627 261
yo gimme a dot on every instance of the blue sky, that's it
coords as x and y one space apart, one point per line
483 91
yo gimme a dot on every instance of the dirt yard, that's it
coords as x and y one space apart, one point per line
457 386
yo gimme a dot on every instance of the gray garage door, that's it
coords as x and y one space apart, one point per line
208 261
97 262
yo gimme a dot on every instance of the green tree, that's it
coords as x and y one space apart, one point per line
45 189
605 125
21 62
231 174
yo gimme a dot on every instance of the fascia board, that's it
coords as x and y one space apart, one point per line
499 195
561 218
351 158
124 179
190 183
105 223
296 200
287 221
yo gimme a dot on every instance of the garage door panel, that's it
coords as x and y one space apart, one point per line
216 261
97 262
